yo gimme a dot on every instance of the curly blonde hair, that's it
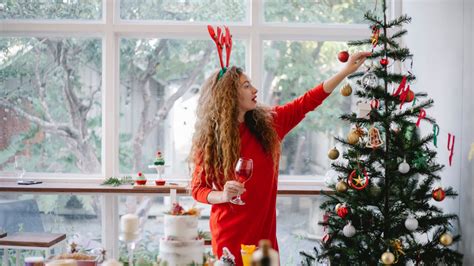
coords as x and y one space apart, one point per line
216 141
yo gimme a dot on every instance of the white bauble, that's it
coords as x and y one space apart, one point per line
349 230
404 167
411 223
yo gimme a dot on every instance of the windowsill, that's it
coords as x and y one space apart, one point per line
94 186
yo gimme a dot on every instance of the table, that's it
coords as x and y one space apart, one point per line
31 241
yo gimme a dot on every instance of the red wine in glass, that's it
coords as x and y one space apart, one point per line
243 172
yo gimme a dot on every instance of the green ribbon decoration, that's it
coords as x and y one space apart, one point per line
435 134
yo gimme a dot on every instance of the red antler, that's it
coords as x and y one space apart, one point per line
228 45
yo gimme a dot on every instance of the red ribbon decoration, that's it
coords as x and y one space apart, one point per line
401 86
450 148
375 104
420 116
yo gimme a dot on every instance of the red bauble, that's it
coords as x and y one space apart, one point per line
410 96
438 194
342 211
384 61
343 56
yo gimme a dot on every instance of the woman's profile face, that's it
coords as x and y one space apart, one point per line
247 94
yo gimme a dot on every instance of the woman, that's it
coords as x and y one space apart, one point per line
231 125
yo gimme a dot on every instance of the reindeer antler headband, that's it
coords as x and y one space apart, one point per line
222 39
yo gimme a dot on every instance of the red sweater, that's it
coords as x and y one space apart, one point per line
232 225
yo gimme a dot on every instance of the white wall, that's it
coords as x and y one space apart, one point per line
440 37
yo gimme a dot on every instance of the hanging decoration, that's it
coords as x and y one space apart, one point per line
375 140
446 239
375 104
438 194
342 211
411 224
349 230
358 179
370 80
404 167
435 134
387 258
421 115
333 153
398 248
450 148
375 36
342 186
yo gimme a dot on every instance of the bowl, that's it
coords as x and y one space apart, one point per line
160 182
140 182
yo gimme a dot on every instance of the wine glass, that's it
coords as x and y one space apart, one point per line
243 172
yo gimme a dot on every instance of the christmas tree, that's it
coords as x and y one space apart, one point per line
382 210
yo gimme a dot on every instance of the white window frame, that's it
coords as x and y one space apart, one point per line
111 28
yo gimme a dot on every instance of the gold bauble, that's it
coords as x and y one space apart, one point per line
342 186
446 239
388 258
346 90
353 138
333 154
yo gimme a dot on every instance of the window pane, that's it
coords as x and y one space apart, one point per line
290 69
160 81
320 11
297 227
77 216
50 105
185 10
51 9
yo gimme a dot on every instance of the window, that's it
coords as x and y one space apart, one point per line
51 9
51 104
319 11
185 10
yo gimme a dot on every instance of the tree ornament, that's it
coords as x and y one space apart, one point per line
343 56
384 61
404 167
411 223
358 179
438 194
339 205
370 80
410 96
342 186
342 211
349 230
353 138
346 90
375 140
333 153
446 239
387 258
375 36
